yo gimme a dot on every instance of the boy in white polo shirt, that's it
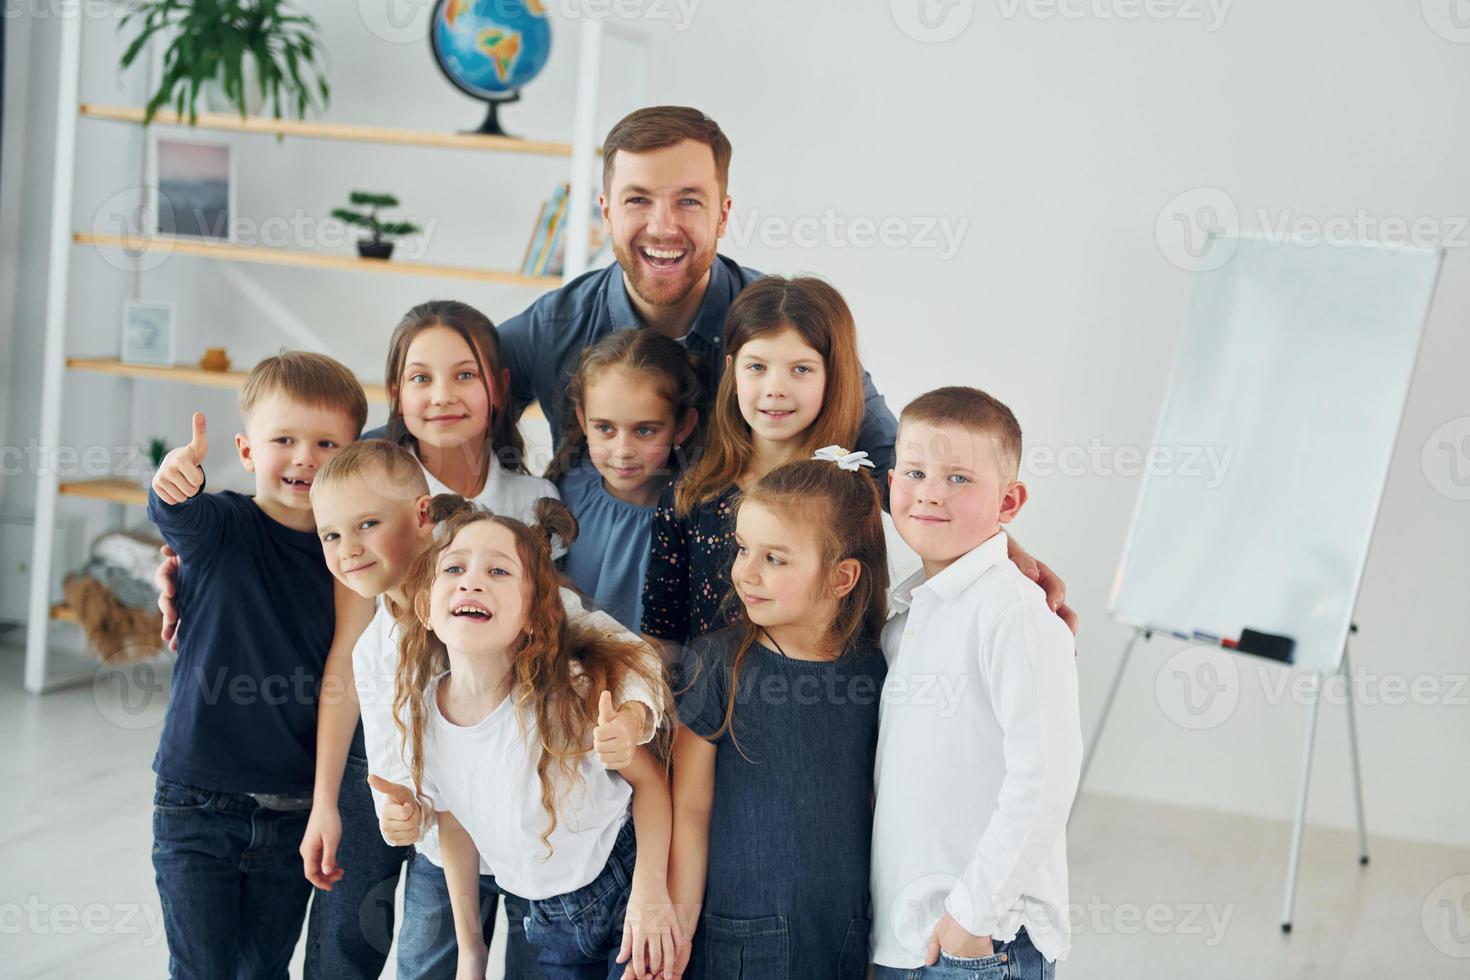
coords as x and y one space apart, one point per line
979 743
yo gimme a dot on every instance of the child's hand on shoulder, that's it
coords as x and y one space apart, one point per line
950 937
179 476
652 935
402 822
618 733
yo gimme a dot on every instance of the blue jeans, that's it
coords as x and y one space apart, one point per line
426 945
1015 960
580 933
350 928
229 877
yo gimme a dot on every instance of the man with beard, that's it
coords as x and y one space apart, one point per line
665 170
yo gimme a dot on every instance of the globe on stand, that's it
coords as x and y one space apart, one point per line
488 49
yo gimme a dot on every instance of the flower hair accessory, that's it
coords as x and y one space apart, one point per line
843 458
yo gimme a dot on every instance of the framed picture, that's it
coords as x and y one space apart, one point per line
193 178
148 333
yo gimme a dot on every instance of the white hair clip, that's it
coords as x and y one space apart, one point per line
843 458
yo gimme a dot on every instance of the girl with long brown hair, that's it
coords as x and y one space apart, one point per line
792 383
773 762
449 403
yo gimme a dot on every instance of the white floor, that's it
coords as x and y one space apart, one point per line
1158 891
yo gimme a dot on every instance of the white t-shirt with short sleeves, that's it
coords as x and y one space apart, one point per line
374 671
485 774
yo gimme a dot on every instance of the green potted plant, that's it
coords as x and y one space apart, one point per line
379 246
157 449
249 51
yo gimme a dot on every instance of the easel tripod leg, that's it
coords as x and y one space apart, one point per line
1347 673
1301 803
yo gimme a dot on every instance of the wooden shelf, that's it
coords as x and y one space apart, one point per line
228 252
231 123
184 374
114 490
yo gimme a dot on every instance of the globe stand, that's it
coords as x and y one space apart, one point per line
491 125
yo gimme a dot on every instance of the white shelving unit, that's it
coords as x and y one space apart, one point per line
580 155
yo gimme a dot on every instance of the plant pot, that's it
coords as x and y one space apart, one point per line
375 250
212 96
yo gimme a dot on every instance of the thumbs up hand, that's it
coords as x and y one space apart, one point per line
402 822
180 475
617 733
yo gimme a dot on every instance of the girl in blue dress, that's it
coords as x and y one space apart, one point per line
634 398
773 759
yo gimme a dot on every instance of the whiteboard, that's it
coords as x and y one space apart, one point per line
1293 371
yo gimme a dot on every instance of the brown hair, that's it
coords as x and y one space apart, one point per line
843 507
503 443
818 313
312 379
655 127
394 471
563 706
662 361
973 410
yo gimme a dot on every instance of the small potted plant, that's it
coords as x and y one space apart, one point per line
379 246
248 52
157 449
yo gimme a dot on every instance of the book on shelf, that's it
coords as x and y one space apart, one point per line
599 246
545 224
547 249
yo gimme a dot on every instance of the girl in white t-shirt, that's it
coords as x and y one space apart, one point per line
514 720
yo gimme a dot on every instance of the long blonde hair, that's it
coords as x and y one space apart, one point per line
563 706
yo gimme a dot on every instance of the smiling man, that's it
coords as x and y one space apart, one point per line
665 172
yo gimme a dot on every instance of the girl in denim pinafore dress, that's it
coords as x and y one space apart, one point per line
773 760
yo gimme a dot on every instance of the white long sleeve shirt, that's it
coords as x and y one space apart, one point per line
979 752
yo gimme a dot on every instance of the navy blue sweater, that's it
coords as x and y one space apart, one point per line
255 624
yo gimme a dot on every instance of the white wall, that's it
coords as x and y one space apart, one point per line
1056 144
1061 142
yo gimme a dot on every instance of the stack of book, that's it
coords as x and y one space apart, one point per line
546 251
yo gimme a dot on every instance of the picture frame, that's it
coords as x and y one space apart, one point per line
148 334
192 180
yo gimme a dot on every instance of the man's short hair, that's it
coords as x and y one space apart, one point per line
390 469
656 127
974 411
312 379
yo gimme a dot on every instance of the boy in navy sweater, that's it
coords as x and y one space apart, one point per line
236 758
